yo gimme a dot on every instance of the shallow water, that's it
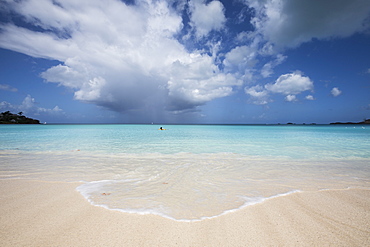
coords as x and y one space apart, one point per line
187 172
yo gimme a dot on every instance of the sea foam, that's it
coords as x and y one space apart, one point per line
92 192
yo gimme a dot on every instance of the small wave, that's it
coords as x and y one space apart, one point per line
88 190
252 201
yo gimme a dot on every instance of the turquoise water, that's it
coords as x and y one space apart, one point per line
187 172
289 141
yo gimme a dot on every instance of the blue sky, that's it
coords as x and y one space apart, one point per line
187 61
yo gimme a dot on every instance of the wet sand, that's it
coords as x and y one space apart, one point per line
36 213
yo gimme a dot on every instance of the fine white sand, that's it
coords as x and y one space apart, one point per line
36 213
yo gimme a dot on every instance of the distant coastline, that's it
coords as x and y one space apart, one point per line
11 118
366 121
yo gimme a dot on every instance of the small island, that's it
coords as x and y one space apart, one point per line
366 121
10 118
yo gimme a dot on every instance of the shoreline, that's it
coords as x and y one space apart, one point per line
228 211
38 213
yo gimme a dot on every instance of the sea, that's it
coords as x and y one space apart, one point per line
187 172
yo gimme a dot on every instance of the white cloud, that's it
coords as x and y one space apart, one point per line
198 81
30 106
6 106
310 97
335 92
240 58
242 61
206 17
27 103
292 83
267 69
258 94
6 87
289 23
137 58
55 110
36 44
90 91
288 84
123 57
65 76
291 98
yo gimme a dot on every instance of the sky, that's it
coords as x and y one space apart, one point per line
186 61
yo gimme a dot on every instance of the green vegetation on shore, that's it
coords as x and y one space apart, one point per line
10 118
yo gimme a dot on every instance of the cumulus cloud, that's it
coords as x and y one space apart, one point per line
289 23
289 84
123 57
258 94
6 87
310 97
29 106
240 58
162 56
291 98
335 92
292 83
204 82
206 17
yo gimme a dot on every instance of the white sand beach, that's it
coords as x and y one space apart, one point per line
36 213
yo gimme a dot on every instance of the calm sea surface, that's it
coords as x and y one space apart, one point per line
187 172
